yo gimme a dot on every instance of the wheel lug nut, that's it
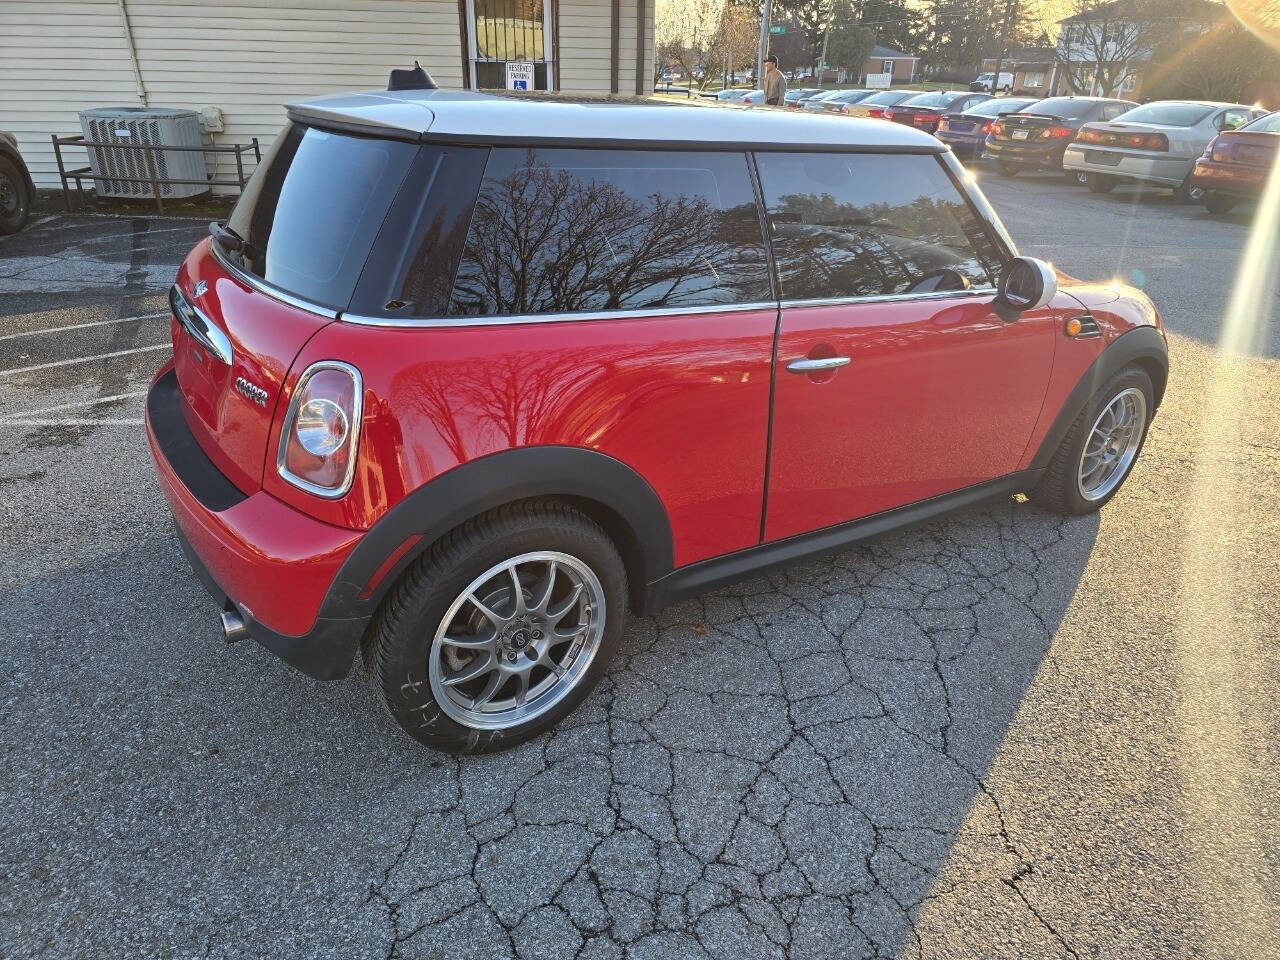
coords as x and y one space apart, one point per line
537 634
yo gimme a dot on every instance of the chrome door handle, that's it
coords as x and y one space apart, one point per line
812 366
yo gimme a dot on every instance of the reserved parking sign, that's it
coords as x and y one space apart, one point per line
519 75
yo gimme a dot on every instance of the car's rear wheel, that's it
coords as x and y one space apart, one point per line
1100 183
501 628
1100 449
1007 168
1218 203
15 199
1187 192
1079 178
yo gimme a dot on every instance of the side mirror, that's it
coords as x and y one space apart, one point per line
1025 284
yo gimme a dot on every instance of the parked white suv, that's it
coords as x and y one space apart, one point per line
983 83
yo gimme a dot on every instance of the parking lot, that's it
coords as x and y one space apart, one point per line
1003 735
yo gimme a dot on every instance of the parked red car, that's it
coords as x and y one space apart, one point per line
465 377
1235 165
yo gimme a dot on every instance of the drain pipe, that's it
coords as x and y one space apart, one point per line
133 53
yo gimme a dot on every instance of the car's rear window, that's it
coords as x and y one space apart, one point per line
1167 114
928 100
312 209
997 106
887 99
1065 107
1267 124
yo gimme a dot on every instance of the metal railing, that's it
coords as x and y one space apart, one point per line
80 174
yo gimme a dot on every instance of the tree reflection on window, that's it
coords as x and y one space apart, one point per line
578 230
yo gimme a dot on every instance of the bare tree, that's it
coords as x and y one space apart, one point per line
1105 42
687 33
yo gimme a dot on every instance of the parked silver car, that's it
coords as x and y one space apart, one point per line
1156 143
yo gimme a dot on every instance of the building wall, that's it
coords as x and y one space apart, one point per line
250 57
902 69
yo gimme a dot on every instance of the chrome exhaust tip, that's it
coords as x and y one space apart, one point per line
233 627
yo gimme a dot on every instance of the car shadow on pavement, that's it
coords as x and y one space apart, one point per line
793 766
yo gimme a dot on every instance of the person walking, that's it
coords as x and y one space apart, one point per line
775 84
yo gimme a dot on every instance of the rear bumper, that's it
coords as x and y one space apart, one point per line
1233 178
1166 171
1031 153
252 552
962 144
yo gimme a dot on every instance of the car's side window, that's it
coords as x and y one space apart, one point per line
572 230
1112 110
862 225
1233 120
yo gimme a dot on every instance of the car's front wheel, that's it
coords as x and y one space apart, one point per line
501 629
15 200
1100 449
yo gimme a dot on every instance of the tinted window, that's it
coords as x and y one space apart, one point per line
887 99
1112 110
929 100
1065 107
313 207
858 225
411 267
557 231
1168 114
997 106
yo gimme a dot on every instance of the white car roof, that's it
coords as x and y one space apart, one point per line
554 119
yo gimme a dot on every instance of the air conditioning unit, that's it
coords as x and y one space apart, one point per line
160 126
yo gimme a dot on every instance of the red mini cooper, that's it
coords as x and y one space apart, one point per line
466 376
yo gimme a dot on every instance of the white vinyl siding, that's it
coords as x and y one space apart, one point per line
250 57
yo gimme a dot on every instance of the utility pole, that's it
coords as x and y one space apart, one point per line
764 42
1009 8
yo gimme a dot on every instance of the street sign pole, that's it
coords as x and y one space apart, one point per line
764 42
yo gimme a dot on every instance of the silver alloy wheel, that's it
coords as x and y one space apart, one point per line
1081 177
517 640
1113 444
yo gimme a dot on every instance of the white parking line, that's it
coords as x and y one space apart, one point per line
81 326
98 356
79 403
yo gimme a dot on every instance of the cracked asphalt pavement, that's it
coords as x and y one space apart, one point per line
1002 735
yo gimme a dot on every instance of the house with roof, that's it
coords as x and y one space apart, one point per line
1106 50
887 60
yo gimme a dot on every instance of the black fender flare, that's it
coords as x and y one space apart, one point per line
633 513
1142 345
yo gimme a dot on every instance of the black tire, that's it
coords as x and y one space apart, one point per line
1186 193
399 640
1007 168
1101 183
15 198
1059 489
1077 178
1219 203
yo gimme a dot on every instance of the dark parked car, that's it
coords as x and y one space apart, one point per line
16 189
924 111
1235 164
966 132
465 377
1037 137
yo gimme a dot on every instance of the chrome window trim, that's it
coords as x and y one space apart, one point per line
269 289
522 318
517 318
203 330
286 430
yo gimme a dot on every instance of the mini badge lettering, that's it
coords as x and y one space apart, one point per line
251 391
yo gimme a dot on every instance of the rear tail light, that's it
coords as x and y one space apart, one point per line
995 128
990 127
1056 133
1089 136
877 112
1150 141
923 118
321 430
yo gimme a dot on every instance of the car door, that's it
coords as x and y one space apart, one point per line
894 380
